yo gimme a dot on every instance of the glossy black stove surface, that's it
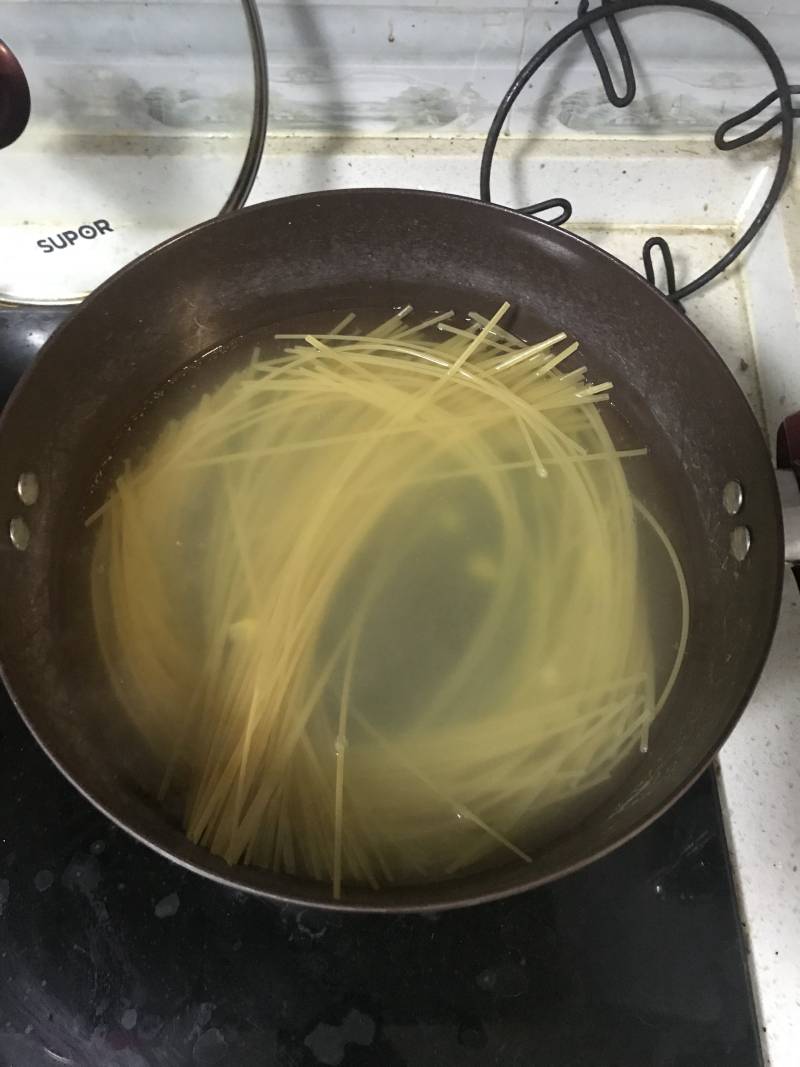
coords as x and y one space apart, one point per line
110 956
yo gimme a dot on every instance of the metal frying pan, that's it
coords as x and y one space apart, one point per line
376 248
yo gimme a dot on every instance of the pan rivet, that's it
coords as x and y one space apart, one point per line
740 542
28 488
733 497
19 533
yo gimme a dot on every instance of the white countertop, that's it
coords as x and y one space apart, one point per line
761 791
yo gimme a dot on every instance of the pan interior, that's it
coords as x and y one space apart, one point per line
108 727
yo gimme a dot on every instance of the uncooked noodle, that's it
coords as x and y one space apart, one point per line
376 604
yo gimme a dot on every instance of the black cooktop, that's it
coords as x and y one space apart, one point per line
111 956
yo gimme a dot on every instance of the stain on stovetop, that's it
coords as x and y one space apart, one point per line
329 1043
167 906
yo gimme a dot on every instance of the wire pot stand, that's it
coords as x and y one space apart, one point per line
607 12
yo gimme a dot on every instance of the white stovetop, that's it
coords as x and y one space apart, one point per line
623 190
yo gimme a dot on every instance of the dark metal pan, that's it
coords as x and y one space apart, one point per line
374 248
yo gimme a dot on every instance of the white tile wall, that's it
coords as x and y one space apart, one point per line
110 66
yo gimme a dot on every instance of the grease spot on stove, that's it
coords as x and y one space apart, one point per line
204 1013
129 1017
311 923
327 1043
43 880
210 1047
82 874
167 906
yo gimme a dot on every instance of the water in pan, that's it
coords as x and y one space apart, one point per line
390 623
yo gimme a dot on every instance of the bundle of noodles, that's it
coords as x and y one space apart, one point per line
376 602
